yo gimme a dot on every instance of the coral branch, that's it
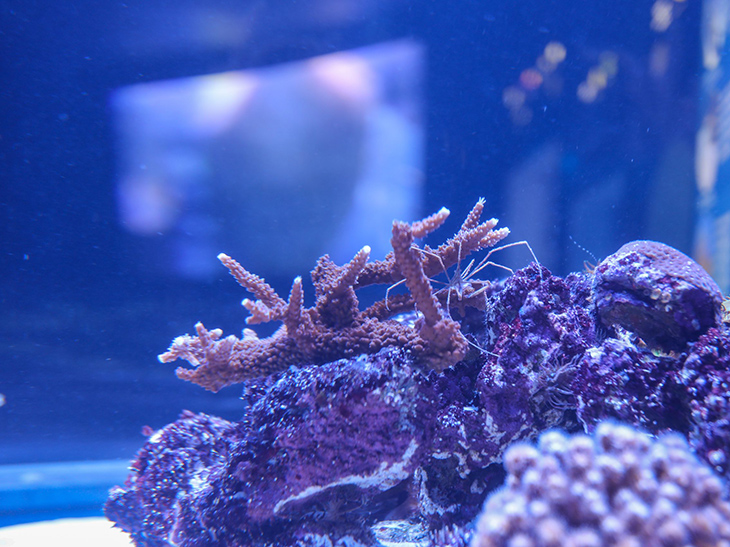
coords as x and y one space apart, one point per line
255 284
335 327
447 345
409 263
422 228
293 313
473 236
472 219
350 272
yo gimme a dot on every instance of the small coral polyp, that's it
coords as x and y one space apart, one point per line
354 417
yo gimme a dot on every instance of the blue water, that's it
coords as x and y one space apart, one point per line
87 304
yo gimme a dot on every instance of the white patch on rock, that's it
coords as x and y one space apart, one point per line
385 477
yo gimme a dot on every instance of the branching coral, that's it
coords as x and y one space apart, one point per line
335 327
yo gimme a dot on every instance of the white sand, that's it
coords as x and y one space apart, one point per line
86 532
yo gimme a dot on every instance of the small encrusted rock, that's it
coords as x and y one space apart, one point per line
656 292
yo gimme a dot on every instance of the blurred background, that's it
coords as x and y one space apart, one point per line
140 139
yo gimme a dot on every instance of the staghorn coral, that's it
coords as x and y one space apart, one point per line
618 488
442 332
335 327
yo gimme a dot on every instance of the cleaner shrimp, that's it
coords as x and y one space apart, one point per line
464 284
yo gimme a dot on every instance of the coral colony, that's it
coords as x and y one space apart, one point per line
390 425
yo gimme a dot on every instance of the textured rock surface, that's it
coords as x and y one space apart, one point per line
657 292
536 329
323 448
536 326
706 374
620 380
173 468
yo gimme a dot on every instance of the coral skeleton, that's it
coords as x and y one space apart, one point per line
335 327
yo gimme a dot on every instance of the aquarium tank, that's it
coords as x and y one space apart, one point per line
365 273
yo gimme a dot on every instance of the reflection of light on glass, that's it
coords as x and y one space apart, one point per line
530 79
542 75
659 59
722 125
598 77
325 148
521 116
707 155
147 205
555 53
513 97
608 61
553 85
587 93
219 98
544 65
714 33
552 56
348 75
661 15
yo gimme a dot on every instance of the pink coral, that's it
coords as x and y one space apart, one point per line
335 327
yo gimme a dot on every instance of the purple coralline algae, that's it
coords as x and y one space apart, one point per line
657 292
329 449
620 380
536 330
325 449
169 478
706 374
